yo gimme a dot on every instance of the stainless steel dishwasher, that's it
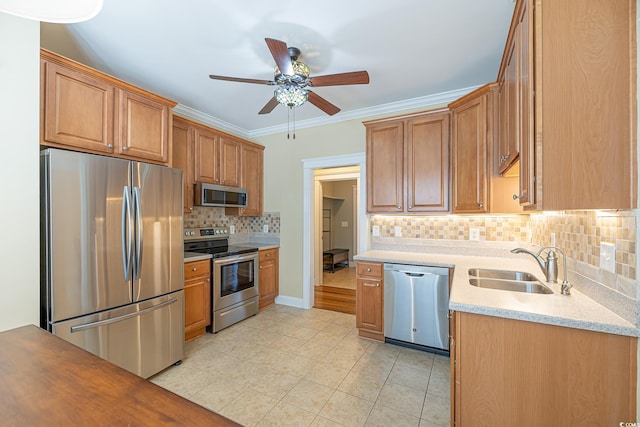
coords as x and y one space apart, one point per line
416 306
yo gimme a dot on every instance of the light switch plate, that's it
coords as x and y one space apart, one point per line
398 231
608 257
344 224
376 230
474 234
265 228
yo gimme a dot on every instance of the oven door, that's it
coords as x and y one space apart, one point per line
235 279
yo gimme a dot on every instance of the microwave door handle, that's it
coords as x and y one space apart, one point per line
137 262
126 233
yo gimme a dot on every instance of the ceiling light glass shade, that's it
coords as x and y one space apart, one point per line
300 70
291 96
56 11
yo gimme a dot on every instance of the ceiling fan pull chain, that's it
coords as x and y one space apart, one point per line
288 123
294 122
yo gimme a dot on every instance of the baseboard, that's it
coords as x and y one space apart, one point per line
291 301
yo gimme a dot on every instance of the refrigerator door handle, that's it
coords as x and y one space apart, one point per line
90 325
137 262
126 233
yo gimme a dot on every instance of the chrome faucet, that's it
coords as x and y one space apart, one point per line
550 265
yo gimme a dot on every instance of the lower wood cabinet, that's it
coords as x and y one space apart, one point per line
515 373
370 299
269 276
197 298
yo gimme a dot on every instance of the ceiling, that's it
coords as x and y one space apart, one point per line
417 52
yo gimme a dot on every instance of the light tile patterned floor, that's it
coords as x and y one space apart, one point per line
289 366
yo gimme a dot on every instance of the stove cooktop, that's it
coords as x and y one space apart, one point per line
214 241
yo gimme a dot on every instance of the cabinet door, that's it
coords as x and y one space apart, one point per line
428 163
469 159
523 37
78 110
230 162
252 159
509 142
144 128
182 158
369 305
206 158
268 283
385 167
196 306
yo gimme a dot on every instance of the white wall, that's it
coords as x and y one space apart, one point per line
19 174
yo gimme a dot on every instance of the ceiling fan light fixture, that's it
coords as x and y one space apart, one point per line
291 96
300 70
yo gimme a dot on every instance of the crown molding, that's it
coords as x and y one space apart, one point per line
421 102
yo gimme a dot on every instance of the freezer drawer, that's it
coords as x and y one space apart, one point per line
416 303
143 338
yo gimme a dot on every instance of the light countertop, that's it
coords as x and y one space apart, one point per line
195 256
574 311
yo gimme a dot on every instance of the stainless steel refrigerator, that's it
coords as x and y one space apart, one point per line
112 258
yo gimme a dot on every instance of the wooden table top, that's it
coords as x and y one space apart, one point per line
45 380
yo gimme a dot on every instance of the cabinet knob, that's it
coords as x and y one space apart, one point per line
369 269
110 146
125 148
268 255
504 158
194 269
399 207
260 267
480 205
516 197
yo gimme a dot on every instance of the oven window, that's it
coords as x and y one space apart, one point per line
236 277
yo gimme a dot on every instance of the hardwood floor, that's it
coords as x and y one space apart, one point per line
335 299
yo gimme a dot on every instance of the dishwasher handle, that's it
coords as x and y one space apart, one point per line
412 274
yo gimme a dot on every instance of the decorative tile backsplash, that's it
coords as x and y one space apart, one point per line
514 228
208 217
578 233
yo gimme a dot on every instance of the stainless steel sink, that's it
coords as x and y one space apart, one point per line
502 274
507 280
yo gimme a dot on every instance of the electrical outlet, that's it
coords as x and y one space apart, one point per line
265 228
398 231
553 238
608 257
376 230
474 234
344 224
232 229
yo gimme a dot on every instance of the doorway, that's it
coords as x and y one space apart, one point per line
331 169
336 234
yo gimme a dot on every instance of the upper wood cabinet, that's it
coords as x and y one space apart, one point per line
182 157
86 110
217 157
408 163
575 103
469 142
251 178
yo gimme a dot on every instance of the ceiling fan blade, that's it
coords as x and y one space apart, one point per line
269 106
322 103
353 78
280 54
241 80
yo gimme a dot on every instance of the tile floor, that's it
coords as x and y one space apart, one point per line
289 366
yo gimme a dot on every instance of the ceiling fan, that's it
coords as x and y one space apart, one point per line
293 81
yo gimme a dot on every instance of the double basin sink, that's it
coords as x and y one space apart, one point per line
507 280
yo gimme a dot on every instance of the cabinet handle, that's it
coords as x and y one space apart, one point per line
372 285
125 148
110 146
504 158
369 270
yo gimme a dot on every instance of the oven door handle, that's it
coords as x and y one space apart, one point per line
233 259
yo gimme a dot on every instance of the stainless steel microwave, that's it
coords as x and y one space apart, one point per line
220 195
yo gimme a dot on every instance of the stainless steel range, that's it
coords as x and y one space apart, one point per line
234 275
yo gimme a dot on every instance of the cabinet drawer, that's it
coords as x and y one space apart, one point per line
196 269
369 269
267 254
